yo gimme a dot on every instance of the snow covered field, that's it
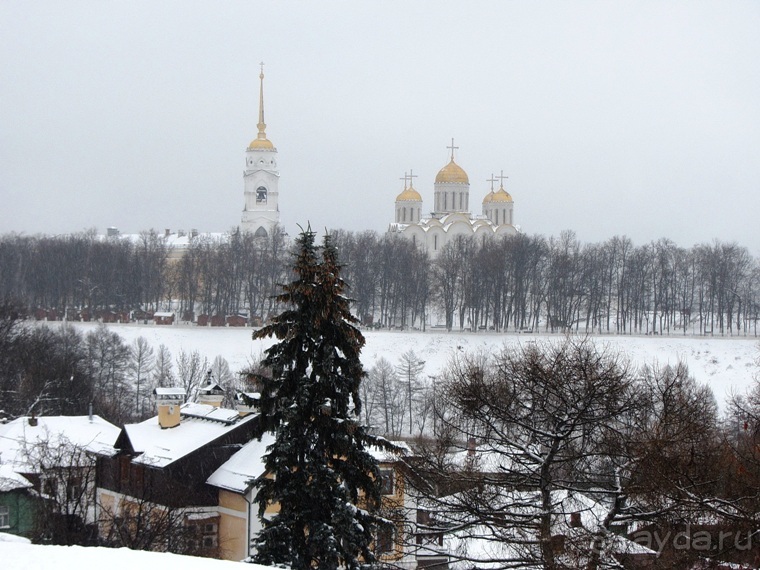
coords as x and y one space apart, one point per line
727 365
17 554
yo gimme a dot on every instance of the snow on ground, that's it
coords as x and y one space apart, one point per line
728 365
19 555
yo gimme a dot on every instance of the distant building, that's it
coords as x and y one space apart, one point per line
261 211
451 215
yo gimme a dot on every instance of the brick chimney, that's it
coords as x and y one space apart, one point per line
168 402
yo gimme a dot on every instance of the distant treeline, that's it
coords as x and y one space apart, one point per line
521 282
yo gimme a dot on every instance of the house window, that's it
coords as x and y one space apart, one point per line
386 538
5 516
387 481
74 488
50 487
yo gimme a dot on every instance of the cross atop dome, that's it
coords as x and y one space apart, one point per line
502 178
452 147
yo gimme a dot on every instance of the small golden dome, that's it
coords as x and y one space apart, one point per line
409 195
452 172
261 144
500 195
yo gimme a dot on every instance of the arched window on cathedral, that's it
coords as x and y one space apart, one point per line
435 243
445 201
260 233
403 214
461 201
510 217
497 217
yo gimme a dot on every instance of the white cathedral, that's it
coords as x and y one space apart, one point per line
451 215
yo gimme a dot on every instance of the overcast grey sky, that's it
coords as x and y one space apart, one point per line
636 118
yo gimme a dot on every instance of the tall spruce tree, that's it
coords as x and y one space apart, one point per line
318 469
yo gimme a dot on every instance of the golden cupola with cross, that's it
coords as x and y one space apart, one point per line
498 206
409 202
451 188
261 178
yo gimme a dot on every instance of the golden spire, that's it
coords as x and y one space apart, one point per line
262 125
261 141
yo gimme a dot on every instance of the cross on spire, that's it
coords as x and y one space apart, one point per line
502 177
492 180
405 179
412 175
262 69
452 147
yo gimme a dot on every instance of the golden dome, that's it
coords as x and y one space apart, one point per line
452 172
261 144
500 195
409 195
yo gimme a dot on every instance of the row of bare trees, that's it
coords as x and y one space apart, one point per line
60 371
518 282
529 282
220 275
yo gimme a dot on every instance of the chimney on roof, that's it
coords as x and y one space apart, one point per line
167 232
33 420
212 394
168 402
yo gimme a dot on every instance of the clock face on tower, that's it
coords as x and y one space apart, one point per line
261 195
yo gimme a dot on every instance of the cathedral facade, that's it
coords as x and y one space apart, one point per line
451 216
261 177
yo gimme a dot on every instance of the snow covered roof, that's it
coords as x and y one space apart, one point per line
10 480
384 456
236 473
94 435
483 544
200 425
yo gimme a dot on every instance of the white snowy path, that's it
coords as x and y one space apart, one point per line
727 365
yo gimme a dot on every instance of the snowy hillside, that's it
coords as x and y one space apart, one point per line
727 365
16 554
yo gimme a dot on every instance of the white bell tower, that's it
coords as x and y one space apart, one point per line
261 211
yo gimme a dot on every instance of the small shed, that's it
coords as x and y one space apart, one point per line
163 318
